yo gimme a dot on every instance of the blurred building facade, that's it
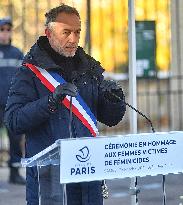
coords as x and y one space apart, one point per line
105 36
108 26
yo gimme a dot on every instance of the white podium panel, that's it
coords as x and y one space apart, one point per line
121 156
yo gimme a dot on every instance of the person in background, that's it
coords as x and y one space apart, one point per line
10 59
56 67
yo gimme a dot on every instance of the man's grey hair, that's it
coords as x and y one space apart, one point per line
52 14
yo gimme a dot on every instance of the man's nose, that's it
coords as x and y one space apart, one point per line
73 37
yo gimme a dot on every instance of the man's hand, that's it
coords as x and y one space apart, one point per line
59 94
112 91
62 90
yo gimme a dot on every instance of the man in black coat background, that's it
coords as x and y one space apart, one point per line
10 59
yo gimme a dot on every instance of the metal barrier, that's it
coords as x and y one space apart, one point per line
159 99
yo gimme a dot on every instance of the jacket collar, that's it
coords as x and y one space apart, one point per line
85 63
39 57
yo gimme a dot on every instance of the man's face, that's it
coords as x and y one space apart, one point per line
64 34
5 34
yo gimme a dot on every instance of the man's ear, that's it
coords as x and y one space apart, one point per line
47 32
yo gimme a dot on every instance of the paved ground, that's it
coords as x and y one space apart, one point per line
10 194
151 191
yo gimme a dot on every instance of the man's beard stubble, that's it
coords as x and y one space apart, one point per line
56 46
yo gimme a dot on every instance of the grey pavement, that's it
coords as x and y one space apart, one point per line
151 190
11 194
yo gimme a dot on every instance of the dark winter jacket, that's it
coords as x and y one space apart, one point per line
27 107
10 59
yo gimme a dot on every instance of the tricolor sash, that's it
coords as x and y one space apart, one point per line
79 108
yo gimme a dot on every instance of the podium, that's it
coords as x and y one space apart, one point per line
90 159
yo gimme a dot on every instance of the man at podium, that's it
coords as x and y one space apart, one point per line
60 92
